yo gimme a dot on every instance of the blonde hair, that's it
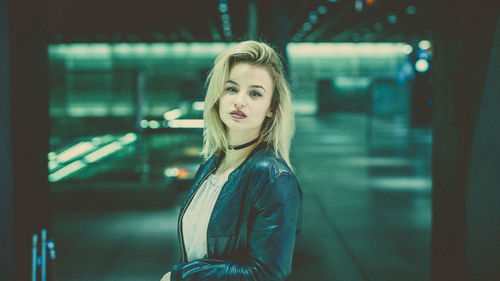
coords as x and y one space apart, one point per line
277 131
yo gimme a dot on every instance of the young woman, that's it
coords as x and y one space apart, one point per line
240 219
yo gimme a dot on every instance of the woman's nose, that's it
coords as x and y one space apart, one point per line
239 100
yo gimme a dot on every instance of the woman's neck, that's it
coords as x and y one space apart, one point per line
234 157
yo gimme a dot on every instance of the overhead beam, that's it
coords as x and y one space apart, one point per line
253 17
185 34
216 37
335 19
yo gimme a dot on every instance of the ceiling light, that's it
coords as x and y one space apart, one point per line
322 10
392 18
424 44
313 17
307 26
223 8
422 65
406 49
411 10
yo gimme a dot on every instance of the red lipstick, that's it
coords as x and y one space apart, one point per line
238 114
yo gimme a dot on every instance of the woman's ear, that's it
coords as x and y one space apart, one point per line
269 113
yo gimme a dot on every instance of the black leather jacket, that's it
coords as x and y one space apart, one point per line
252 229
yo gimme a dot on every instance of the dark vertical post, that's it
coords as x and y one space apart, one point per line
276 15
253 20
24 132
142 150
483 192
6 193
463 35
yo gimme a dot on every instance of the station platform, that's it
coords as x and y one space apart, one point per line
366 214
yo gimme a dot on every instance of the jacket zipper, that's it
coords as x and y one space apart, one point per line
179 226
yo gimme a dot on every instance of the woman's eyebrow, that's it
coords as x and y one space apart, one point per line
251 86
258 86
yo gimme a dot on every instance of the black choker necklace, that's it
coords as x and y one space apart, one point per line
236 147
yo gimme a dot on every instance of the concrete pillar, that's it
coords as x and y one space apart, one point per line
24 132
463 42
276 15
6 193
483 182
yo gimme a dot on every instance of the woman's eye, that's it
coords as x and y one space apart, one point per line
231 90
255 94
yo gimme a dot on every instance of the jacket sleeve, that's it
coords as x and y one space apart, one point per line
271 239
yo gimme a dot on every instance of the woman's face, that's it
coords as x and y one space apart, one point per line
246 100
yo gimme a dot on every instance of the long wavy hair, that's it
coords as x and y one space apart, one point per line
276 131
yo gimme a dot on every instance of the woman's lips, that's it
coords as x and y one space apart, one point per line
238 114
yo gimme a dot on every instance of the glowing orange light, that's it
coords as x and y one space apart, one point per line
183 173
369 2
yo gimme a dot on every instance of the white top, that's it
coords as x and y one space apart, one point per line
196 218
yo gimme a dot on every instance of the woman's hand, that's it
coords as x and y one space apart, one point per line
166 277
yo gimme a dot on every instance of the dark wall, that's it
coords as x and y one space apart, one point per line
483 192
24 132
464 32
6 207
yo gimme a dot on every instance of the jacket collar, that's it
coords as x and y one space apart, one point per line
217 158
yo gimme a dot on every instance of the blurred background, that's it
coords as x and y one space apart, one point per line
395 104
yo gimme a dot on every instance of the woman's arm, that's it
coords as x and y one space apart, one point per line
271 239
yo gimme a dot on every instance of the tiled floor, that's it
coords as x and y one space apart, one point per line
367 212
367 199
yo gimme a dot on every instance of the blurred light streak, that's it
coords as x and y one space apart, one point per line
402 183
144 124
75 151
352 82
172 114
407 49
96 141
192 151
128 138
171 172
345 49
159 48
198 105
51 155
140 48
186 123
103 152
379 161
183 173
153 124
67 170
332 139
89 158
105 50
179 48
53 165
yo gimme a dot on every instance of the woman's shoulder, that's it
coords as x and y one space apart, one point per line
266 162
271 179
